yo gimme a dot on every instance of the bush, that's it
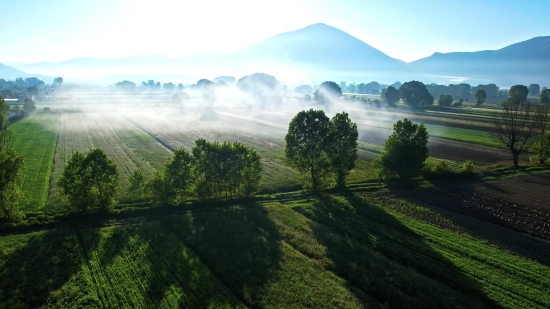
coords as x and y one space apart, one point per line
468 167
457 104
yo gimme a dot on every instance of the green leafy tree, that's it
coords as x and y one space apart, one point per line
327 93
445 100
4 108
351 88
343 146
545 96
11 176
405 151
534 89
179 174
90 182
138 184
415 94
161 193
519 92
29 107
306 145
481 95
391 96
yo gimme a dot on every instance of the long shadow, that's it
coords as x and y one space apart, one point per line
388 261
217 257
34 267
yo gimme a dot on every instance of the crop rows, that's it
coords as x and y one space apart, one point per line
449 257
183 134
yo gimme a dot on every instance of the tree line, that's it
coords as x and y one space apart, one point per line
212 171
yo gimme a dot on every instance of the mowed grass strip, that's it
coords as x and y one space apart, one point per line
146 266
35 140
468 265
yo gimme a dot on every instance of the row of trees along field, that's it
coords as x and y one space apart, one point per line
212 171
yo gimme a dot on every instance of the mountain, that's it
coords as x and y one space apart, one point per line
520 63
9 73
316 52
320 46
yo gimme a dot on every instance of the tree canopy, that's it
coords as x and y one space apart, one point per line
342 146
306 145
545 96
481 95
327 93
405 151
534 89
415 94
391 96
518 92
90 182
445 100
262 87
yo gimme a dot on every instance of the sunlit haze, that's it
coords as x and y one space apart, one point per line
58 30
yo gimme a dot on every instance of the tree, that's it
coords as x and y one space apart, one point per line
405 151
125 85
534 89
541 145
481 95
180 87
306 145
445 100
415 94
515 127
29 107
327 93
396 85
342 146
160 192
138 183
4 108
11 176
58 81
545 96
179 174
391 96
351 88
168 87
518 92
263 88
90 182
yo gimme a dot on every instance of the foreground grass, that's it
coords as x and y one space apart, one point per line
35 140
353 250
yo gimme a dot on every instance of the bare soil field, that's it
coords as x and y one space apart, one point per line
520 203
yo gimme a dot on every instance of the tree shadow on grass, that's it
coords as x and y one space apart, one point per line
388 261
35 267
241 245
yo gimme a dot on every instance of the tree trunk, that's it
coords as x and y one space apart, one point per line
516 159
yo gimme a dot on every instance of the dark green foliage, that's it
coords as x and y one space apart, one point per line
11 177
405 151
545 96
458 103
342 146
160 192
90 182
534 89
391 96
491 90
225 170
28 107
481 95
138 184
125 86
518 92
445 100
415 94
327 93
541 146
306 145
4 108
179 174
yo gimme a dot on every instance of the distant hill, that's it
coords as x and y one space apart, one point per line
524 62
9 73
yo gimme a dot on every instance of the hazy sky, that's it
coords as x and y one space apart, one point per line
56 30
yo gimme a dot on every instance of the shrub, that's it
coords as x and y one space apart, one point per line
468 167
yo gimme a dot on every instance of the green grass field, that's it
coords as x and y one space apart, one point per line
352 251
35 140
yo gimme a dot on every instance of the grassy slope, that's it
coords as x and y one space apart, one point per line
35 140
336 251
